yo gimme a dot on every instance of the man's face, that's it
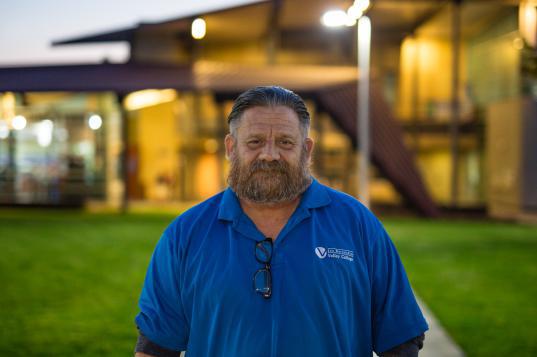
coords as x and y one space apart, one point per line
269 156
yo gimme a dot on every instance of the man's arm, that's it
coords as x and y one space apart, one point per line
161 316
407 349
146 348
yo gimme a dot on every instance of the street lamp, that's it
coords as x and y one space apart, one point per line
527 20
338 18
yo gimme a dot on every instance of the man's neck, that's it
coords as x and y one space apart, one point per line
269 218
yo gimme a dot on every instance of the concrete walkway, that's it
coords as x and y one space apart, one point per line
437 341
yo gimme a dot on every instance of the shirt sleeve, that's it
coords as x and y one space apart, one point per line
161 316
396 316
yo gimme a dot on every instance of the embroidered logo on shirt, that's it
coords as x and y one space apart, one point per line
321 252
334 253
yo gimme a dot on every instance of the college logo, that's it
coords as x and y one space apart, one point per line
334 253
321 252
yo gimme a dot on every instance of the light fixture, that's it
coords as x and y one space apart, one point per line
19 122
357 9
148 97
338 18
527 19
44 132
199 28
354 12
362 5
335 18
95 122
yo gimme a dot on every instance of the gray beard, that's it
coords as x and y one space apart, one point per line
269 182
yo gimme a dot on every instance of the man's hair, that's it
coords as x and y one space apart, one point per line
269 96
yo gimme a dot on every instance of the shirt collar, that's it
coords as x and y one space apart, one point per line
315 196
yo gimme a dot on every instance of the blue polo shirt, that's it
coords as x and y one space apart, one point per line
339 288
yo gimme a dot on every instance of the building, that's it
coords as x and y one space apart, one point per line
453 87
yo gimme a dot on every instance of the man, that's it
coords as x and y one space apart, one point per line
277 264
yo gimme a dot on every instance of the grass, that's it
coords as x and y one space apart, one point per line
480 280
70 281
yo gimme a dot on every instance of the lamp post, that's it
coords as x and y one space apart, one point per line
338 18
364 46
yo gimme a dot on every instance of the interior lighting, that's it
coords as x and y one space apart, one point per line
335 18
199 28
518 43
149 97
95 122
4 130
528 22
19 122
44 132
7 104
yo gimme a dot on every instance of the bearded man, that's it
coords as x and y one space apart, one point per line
277 264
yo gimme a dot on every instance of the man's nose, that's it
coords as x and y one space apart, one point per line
270 152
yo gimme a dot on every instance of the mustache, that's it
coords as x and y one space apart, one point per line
276 166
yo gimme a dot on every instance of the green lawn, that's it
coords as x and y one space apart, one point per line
70 281
480 280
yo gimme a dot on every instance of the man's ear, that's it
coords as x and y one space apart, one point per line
309 146
229 142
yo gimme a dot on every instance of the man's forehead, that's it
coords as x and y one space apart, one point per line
279 118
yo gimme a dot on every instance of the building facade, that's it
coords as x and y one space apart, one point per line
453 106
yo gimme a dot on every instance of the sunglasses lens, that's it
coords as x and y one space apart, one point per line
263 251
262 282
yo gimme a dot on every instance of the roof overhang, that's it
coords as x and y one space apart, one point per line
128 77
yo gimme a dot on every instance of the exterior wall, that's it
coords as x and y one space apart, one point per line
529 158
512 154
504 148
157 147
253 52
159 48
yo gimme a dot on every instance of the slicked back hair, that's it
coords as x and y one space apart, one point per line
269 96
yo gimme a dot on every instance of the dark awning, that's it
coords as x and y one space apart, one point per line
128 77
121 78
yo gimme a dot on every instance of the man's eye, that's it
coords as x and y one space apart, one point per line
286 142
254 142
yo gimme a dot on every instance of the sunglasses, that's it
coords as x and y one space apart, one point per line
263 276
